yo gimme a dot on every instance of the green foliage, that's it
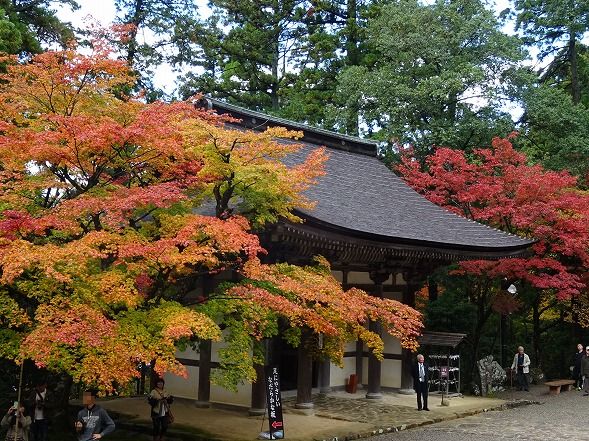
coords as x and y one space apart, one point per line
240 321
278 57
172 25
556 133
552 24
10 37
26 25
442 73
247 46
9 344
451 312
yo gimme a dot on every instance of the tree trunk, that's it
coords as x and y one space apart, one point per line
575 85
352 38
61 388
483 314
136 20
304 372
432 290
352 59
275 79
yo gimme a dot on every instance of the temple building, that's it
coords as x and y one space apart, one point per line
378 234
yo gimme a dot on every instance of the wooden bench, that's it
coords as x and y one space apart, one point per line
557 385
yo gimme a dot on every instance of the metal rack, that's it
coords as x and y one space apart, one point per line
445 375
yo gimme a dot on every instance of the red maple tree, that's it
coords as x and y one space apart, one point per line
496 186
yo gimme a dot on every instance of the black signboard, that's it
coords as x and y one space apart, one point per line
274 402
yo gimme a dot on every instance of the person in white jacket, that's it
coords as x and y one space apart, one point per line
521 364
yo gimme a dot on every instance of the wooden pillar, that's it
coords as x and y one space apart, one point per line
204 375
359 343
432 288
359 360
407 360
374 365
324 377
204 363
304 374
374 368
258 401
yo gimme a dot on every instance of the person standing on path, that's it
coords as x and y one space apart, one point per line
160 401
39 407
585 371
521 361
18 423
577 375
93 422
421 382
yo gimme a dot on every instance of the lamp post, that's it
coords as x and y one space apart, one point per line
511 289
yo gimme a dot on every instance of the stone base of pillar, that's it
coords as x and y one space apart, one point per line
307 409
374 396
325 389
202 404
406 391
256 412
304 405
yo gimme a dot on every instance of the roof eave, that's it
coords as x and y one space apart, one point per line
469 251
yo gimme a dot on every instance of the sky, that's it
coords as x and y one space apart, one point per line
104 12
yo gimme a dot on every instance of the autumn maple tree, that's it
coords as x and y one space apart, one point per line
105 225
497 186
98 229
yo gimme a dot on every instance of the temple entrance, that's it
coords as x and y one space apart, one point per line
285 357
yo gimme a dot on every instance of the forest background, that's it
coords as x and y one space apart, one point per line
433 83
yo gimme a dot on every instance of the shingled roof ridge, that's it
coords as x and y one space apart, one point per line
257 120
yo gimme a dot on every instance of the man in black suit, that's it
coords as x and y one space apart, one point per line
420 381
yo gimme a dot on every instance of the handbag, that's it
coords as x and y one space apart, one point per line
169 417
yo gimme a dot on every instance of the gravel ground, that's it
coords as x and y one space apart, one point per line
557 418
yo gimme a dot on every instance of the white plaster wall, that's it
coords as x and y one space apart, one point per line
188 387
215 346
189 353
220 395
359 277
392 345
400 279
350 346
338 275
337 375
183 387
390 375
365 370
243 396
